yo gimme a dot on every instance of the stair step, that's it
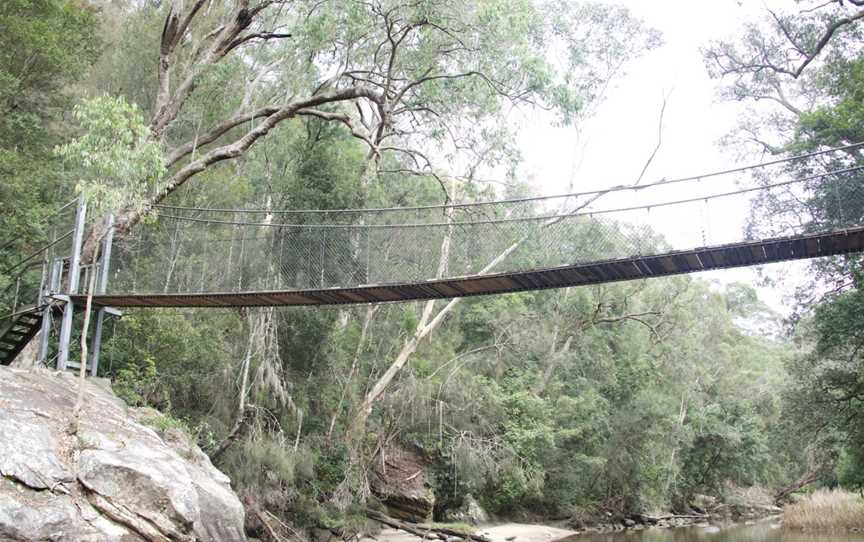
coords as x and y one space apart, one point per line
16 336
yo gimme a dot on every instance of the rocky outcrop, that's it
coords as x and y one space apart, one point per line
470 512
115 479
400 482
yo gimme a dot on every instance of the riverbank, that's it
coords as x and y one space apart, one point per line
738 505
536 532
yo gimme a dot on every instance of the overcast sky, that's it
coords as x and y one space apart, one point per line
615 143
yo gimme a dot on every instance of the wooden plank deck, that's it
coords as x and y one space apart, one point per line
637 267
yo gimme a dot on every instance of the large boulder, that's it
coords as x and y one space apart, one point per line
114 479
399 480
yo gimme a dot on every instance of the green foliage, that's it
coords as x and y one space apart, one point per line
117 163
46 46
850 468
170 359
330 468
164 423
261 462
139 384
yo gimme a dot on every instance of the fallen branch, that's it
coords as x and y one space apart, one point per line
807 479
271 532
236 433
422 530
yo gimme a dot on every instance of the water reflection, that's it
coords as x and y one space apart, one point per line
762 531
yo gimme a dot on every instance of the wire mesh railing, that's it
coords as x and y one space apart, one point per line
191 250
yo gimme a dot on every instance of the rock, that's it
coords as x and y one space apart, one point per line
703 503
400 482
28 357
116 479
320 535
470 512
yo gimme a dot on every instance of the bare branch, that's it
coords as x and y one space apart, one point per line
659 140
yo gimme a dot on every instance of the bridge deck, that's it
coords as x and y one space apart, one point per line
637 267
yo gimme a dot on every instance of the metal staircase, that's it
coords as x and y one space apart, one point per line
61 274
17 335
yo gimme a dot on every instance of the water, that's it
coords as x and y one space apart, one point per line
761 531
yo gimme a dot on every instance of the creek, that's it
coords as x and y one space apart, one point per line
767 530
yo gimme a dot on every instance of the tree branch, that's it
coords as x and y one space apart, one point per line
216 132
130 217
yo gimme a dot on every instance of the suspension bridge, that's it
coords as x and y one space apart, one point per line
192 256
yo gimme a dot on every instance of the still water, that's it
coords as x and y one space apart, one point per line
760 531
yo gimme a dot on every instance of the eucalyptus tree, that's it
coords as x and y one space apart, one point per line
402 77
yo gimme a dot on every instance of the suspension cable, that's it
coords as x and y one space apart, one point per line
618 188
519 219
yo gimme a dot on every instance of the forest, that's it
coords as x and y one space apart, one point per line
619 399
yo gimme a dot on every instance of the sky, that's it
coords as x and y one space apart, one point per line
612 147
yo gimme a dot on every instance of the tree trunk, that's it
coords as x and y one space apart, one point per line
807 479
82 370
358 423
242 410
367 320
426 326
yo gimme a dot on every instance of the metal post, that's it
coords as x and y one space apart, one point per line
50 288
102 283
17 291
74 263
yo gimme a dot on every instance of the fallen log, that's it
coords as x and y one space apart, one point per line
423 530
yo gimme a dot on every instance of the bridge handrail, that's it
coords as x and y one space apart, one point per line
533 218
618 188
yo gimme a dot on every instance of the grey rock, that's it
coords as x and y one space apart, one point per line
43 515
116 479
470 512
32 459
322 535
